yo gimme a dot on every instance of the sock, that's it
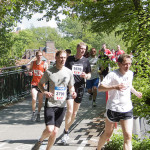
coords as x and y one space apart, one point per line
40 141
66 132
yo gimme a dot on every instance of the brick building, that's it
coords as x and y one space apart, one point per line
48 54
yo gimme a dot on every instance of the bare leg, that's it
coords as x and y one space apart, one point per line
109 127
90 91
52 138
75 110
94 92
127 126
40 99
34 93
69 114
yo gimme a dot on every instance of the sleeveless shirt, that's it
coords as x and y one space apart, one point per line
36 72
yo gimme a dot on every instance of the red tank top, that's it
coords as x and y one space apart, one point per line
36 72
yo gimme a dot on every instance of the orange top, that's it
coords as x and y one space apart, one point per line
37 69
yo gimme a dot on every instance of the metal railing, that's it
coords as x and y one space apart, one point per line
14 85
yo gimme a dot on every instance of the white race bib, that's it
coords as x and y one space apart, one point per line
37 72
93 67
77 69
60 93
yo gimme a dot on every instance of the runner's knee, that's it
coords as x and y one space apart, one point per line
127 136
69 112
33 100
74 114
108 134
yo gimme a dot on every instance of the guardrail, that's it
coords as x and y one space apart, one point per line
14 85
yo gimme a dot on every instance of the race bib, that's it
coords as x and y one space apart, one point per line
60 93
93 67
77 69
37 73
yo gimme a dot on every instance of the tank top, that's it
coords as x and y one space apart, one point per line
36 72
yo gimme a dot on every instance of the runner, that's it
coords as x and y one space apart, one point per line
106 51
92 83
37 69
58 78
81 69
118 52
119 107
68 51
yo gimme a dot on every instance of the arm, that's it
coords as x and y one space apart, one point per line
105 88
72 92
30 69
47 94
45 66
85 75
138 94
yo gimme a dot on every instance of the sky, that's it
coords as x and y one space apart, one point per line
34 22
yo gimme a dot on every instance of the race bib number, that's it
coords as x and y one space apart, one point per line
93 67
37 73
77 69
60 93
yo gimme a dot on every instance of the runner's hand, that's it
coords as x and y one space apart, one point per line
138 94
74 95
83 75
48 94
121 87
30 73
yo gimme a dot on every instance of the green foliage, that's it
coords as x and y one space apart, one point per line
73 45
21 42
116 143
142 106
73 28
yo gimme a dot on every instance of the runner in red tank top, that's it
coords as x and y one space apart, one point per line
38 68
118 52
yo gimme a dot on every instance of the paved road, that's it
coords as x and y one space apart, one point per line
17 132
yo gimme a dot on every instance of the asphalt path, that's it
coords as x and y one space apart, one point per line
18 132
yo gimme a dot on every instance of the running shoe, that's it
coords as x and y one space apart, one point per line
94 104
38 118
37 145
90 97
33 117
65 138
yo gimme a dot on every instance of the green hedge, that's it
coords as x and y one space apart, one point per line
116 143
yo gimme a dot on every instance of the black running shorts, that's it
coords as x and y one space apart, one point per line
117 116
36 87
54 115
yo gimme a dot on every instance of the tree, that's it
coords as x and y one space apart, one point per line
73 28
21 41
131 16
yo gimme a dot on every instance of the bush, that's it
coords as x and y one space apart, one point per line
116 143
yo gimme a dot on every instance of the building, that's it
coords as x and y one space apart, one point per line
48 51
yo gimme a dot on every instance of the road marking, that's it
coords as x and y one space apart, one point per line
4 143
82 145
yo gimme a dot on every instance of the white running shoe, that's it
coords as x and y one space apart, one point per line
65 138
